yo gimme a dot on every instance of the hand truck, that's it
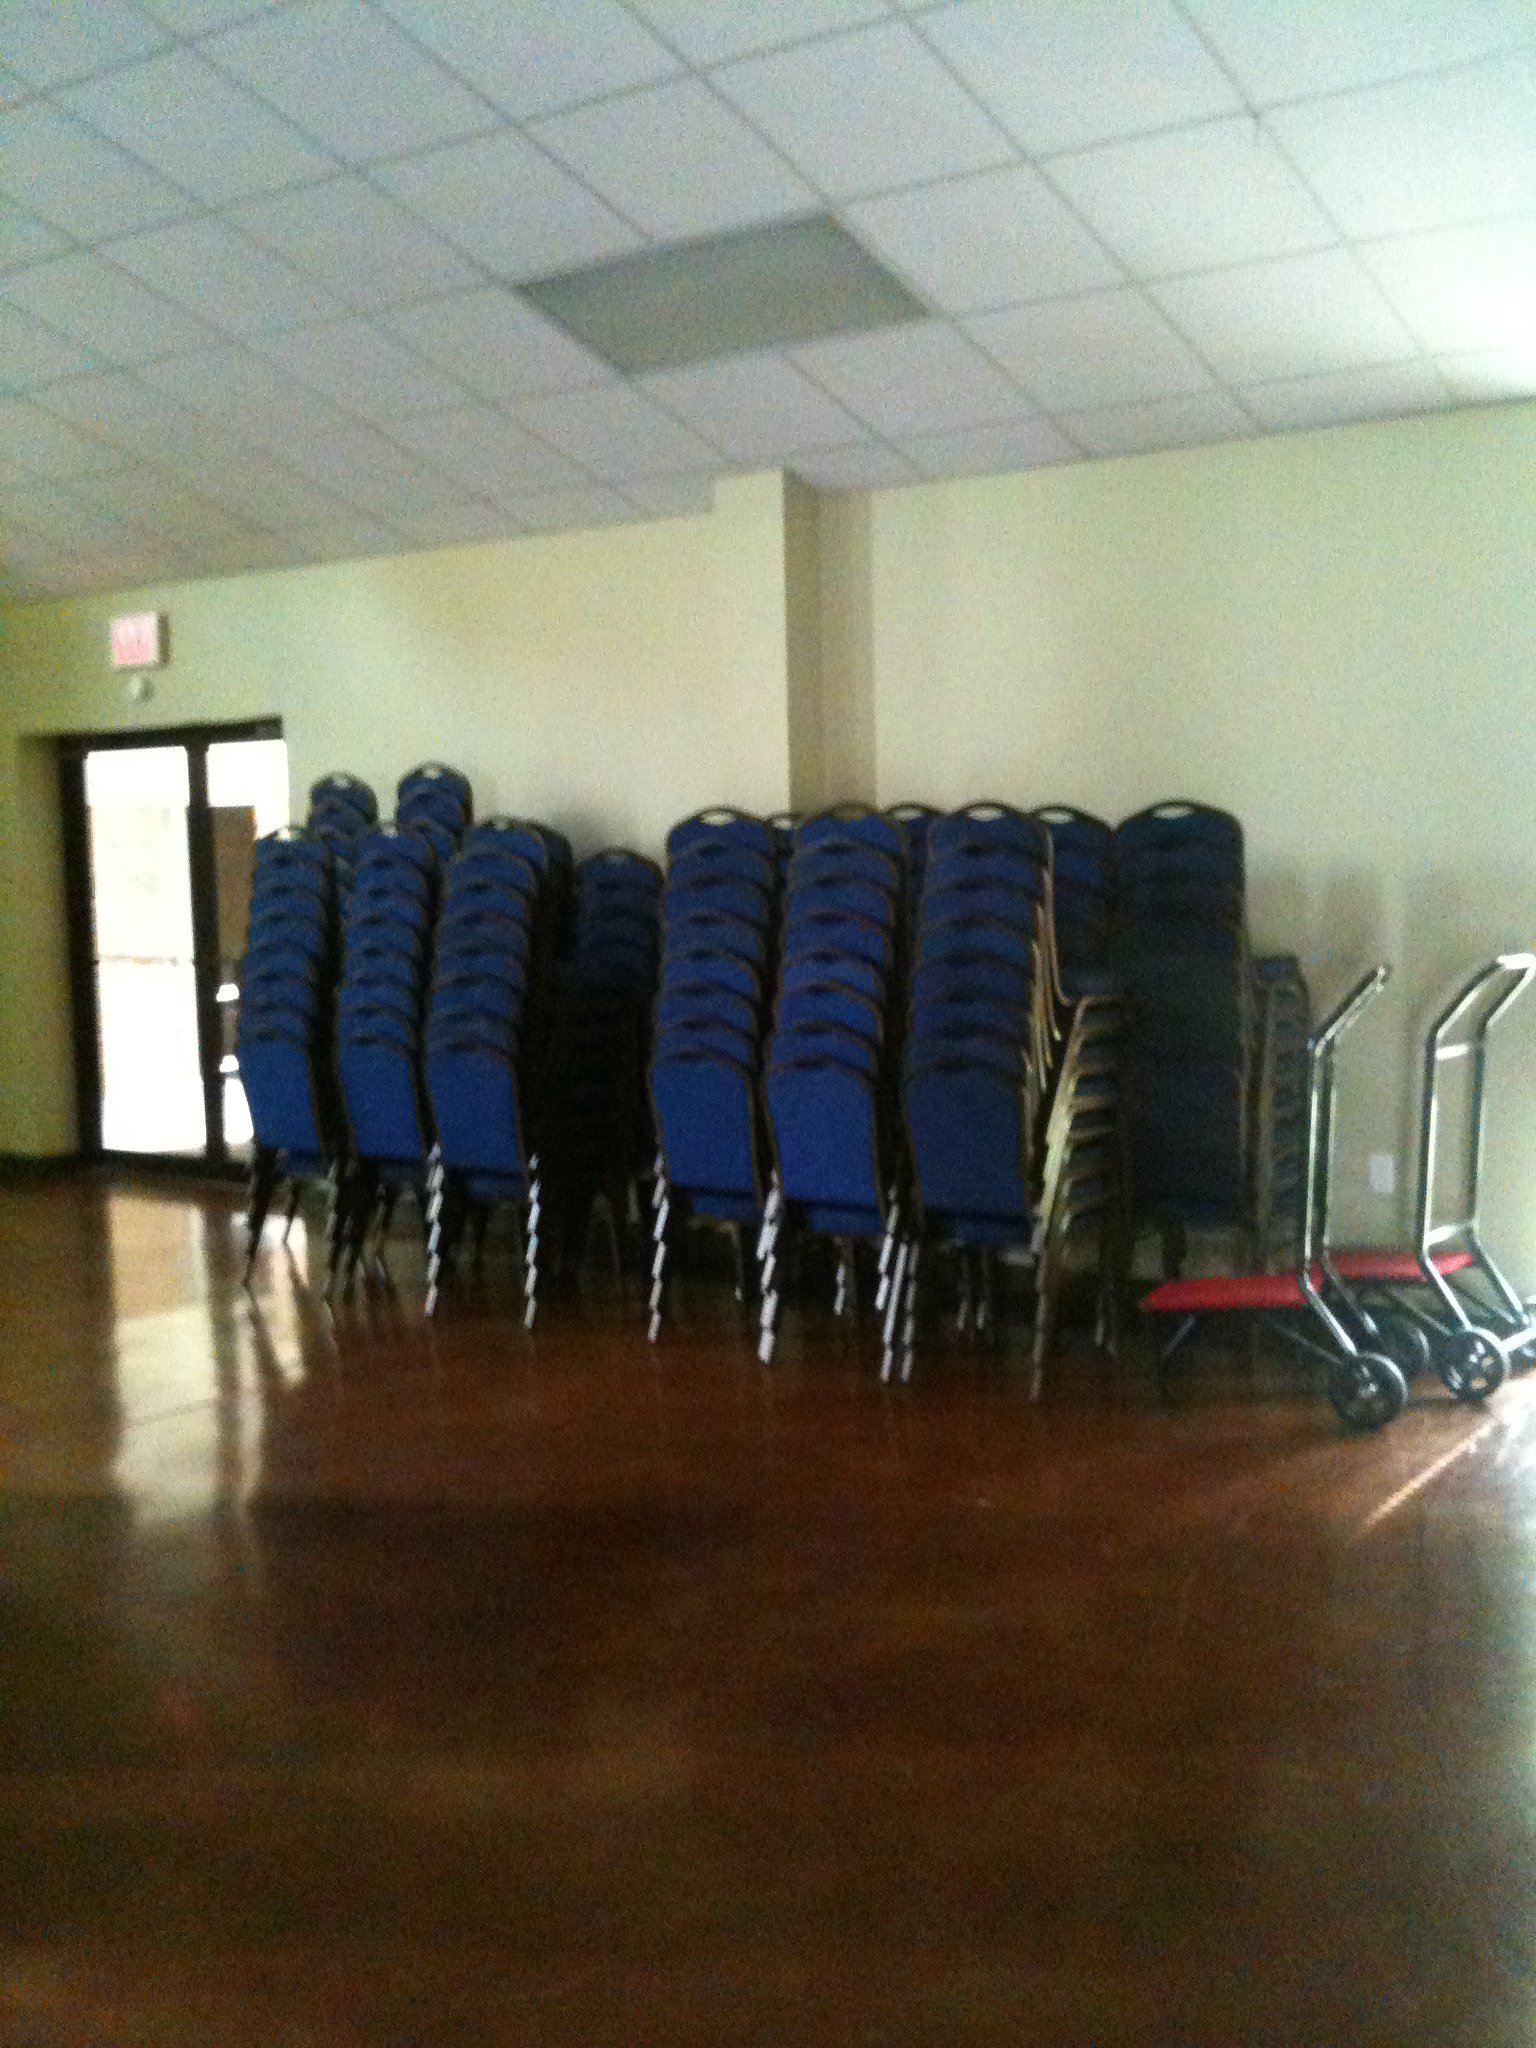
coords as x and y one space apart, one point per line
1312 1310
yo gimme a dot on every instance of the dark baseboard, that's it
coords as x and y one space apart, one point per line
26 1169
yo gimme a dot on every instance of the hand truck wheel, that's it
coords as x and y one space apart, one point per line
1471 1364
1367 1391
1406 1343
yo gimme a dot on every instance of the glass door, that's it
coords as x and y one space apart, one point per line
247 798
146 972
160 843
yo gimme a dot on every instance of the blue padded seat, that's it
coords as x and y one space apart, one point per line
723 826
843 896
819 932
852 822
690 931
706 1118
825 1119
845 858
729 895
966 1121
829 1002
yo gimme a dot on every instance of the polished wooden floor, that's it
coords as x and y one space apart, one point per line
365 1682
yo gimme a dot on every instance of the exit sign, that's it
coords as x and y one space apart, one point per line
138 640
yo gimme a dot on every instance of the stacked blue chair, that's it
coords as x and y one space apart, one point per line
1083 891
488 1036
438 803
341 810
1184 957
719 938
1082 1171
1283 1021
981 1031
602 1143
916 822
830 1081
283 1043
385 962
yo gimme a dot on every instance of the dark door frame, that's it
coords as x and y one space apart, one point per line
72 749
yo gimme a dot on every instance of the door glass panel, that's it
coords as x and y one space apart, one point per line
247 797
146 981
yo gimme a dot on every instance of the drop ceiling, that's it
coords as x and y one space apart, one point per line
260 264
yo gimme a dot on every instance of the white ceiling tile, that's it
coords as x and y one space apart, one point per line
1104 348
672 497
128 413
70 517
1492 374
52 447
346 538
1060 74
202 17
247 556
1279 50
159 503
714 31
76 181
348 78
31 354
1385 392
997 238
267 492
676 161
920 379
1017 444
192 124
756 408
537 55
1463 288
105 310
360 368
49 43
259 400
23 240
506 203
864 112
495 344
1299 317
870 467
357 464
208 267
1193 199
461 523
616 434
367 250
1159 423
486 452
1425 153
557 511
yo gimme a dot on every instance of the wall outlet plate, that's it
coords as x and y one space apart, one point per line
1381 1171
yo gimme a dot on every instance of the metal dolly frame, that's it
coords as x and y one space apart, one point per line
1447 1302
1366 1387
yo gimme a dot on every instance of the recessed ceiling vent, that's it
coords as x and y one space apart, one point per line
765 287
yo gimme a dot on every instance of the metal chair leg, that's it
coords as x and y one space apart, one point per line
662 1208
909 1317
436 1184
531 1256
263 1184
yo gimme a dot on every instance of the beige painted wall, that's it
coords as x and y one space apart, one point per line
1332 634
608 682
